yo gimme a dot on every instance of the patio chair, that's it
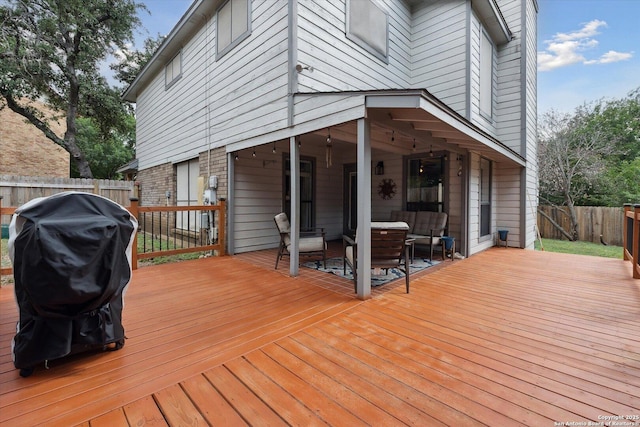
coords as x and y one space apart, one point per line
389 249
312 243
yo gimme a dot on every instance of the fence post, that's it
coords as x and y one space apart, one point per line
625 231
636 241
133 209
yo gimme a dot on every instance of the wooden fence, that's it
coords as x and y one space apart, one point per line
593 221
17 190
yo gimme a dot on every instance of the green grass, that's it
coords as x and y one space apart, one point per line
580 248
163 244
6 262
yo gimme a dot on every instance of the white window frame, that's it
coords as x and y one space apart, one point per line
173 70
362 16
236 9
486 75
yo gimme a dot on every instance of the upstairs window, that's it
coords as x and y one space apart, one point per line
486 75
173 70
233 25
368 26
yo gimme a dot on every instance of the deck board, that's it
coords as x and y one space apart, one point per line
506 337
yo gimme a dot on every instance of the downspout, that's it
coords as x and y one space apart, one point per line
292 54
207 115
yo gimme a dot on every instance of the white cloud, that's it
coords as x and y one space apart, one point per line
611 56
590 29
567 48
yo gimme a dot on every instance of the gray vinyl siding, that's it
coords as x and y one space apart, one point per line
508 197
246 92
439 52
510 99
171 121
338 63
480 119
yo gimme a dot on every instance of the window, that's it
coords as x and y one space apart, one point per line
307 192
425 184
486 75
173 70
485 197
233 25
368 26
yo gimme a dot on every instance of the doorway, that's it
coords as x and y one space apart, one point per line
349 200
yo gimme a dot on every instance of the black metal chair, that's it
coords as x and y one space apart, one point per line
389 249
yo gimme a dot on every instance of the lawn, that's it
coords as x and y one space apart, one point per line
580 248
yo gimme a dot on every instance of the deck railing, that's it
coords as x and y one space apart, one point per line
631 236
173 230
167 230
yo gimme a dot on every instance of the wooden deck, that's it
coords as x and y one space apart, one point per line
506 337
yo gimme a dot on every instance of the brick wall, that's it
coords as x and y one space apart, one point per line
217 166
25 151
154 184
156 181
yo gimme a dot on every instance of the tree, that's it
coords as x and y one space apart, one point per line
105 154
570 159
619 124
50 51
133 61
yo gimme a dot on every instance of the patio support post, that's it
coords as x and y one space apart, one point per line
231 197
294 258
363 285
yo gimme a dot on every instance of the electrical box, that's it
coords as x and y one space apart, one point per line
213 181
204 220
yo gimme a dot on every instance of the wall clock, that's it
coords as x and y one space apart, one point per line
387 189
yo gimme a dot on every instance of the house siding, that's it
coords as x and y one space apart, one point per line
252 96
439 51
340 64
239 96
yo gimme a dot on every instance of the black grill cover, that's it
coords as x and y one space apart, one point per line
71 255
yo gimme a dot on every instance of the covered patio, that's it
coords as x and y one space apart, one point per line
506 337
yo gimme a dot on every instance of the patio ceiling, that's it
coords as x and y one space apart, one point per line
415 121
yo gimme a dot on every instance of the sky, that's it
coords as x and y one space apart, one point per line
588 50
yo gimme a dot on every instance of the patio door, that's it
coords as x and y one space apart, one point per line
187 194
350 200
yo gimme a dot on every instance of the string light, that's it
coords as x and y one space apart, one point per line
274 148
414 144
